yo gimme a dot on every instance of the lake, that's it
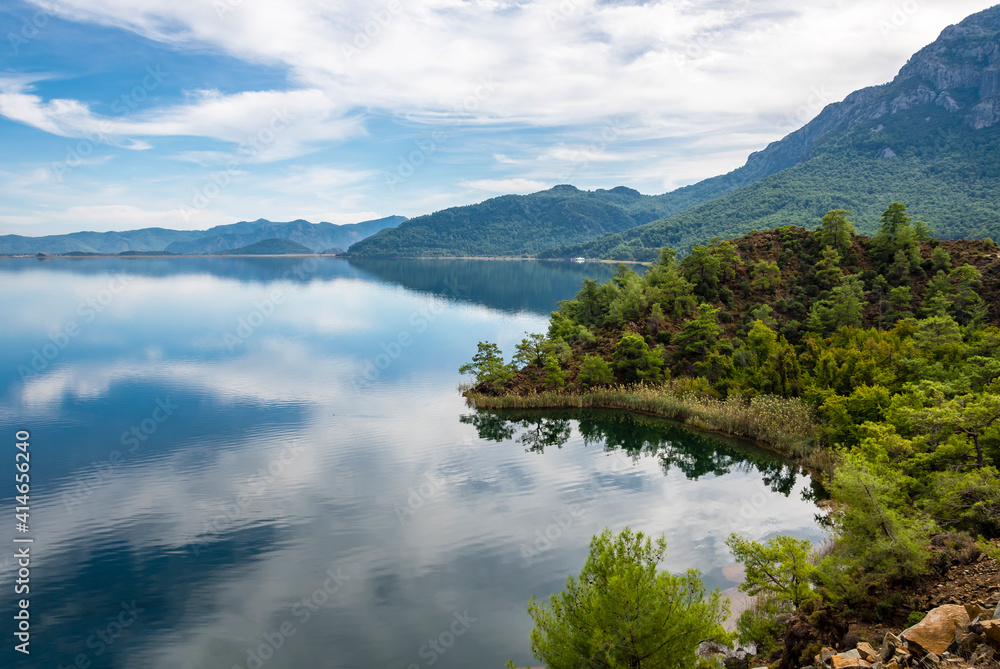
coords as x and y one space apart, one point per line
266 462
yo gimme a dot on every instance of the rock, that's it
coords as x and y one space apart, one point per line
842 662
936 632
991 630
968 642
889 645
983 656
996 613
852 654
867 652
975 611
824 655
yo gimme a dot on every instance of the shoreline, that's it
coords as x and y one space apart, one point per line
33 256
730 418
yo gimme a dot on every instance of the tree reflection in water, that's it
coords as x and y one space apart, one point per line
694 453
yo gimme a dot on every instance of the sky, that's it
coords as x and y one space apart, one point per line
184 114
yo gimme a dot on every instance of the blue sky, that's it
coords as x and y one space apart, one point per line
122 114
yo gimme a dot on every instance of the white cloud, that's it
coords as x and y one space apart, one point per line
507 185
689 88
267 125
550 62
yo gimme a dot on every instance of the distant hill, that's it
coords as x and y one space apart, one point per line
268 247
930 138
514 225
317 237
314 236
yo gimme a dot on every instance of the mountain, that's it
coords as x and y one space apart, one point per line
269 247
315 236
147 239
929 138
514 225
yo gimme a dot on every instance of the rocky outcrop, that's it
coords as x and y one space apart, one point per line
964 59
936 632
953 636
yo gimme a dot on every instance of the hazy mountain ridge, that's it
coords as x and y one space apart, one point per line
929 138
269 247
315 236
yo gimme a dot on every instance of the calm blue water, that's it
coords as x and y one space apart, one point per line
266 463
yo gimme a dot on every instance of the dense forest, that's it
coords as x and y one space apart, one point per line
882 353
515 225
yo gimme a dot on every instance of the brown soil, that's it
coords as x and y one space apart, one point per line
976 583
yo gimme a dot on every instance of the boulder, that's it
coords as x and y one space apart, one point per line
975 611
889 645
867 652
824 656
991 630
842 662
936 632
996 612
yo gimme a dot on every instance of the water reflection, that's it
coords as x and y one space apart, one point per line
273 467
695 454
505 285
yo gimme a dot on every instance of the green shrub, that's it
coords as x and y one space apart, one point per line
622 611
758 625
595 371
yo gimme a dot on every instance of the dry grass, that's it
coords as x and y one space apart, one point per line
786 424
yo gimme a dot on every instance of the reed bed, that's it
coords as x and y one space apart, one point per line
787 424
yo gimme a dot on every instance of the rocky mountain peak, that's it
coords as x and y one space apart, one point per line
965 56
960 72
